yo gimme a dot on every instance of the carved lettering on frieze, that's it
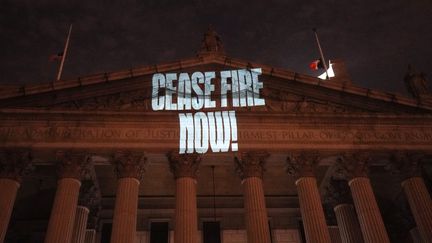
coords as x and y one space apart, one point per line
367 136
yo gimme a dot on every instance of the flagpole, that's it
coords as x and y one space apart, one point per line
321 52
64 54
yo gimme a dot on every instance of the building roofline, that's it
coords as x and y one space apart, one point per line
10 91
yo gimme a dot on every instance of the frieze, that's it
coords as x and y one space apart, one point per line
355 136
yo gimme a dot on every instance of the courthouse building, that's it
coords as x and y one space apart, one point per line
102 158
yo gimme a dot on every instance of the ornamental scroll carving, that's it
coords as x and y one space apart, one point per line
251 164
354 164
405 164
14 163
184 165
72 164
129 164
302 164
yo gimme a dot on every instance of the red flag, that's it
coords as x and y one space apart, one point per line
316 64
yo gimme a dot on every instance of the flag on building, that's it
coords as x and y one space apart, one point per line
56 57
317 64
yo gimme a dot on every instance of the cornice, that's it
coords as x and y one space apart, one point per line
107 77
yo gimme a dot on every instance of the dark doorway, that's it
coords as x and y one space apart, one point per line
211 232
159 232
106 233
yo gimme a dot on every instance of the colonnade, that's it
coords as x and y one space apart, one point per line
358 222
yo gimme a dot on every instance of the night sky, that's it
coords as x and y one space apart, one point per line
377 39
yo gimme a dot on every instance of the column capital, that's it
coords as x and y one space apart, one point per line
14 163
90 198
405 164
302 164
354 164
184 165
129 164
251 164
71 164
338 192
88 194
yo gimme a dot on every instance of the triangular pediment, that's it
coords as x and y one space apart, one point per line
284 91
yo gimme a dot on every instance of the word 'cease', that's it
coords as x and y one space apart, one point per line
239 87
214 131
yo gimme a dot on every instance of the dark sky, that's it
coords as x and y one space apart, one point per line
377 39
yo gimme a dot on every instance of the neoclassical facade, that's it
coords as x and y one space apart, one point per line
91 159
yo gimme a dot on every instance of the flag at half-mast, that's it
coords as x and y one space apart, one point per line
60 56
317 64
320 63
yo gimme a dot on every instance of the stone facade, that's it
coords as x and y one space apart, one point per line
95 143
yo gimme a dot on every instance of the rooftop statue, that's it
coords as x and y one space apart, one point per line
211 43
417 84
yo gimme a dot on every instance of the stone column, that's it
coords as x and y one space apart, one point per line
129 166
421 205
80 225
302 165
71 165
13 164
338 195
335 234
355 166
250 167
407 165
90 236
415 235
185 168
348 224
